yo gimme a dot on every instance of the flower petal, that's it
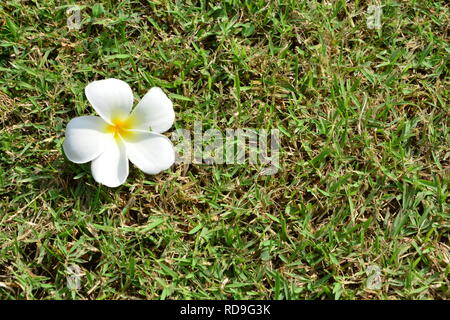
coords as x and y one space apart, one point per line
111 98
111 167
151 152
84 139
155 110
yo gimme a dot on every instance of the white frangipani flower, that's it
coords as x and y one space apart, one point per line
120 134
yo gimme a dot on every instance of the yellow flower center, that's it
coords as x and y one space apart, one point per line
120 128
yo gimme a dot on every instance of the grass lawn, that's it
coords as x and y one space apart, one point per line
363 116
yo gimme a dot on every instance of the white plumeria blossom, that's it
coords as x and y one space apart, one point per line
120 134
